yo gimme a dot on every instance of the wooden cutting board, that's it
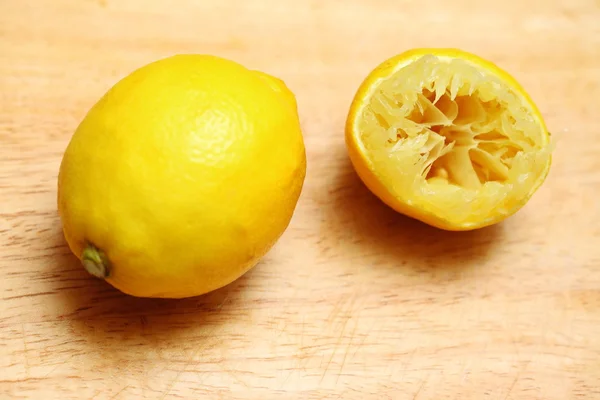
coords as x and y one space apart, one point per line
355 301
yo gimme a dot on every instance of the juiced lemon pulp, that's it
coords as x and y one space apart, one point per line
455 141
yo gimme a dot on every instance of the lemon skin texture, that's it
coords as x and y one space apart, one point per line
182 176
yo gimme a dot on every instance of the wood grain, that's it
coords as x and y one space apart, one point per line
355 301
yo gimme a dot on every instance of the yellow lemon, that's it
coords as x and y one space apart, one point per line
448 138
182 176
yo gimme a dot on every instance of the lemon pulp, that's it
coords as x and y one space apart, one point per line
460 143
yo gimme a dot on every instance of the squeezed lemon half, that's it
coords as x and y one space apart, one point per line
448 138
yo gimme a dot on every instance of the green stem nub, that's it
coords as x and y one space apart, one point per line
95 262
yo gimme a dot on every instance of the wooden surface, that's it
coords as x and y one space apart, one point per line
355 301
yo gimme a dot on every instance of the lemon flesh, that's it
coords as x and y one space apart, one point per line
448 138
182 176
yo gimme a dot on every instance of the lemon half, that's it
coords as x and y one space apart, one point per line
448 138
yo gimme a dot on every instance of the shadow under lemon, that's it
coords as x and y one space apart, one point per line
394 240
116 326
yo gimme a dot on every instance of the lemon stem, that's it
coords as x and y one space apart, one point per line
95 262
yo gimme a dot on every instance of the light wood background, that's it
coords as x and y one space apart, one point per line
355 301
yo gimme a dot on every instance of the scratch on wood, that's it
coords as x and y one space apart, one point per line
25 351
302 332
347 351
119 392
232 373
348 347
98 392
408 362
287 378
55 368
346 312
420 388
364 339
334 351
514 383
173 381
188 362
220 306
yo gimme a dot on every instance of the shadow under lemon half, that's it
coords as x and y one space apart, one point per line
448 138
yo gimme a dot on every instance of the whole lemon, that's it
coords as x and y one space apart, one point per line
182 176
